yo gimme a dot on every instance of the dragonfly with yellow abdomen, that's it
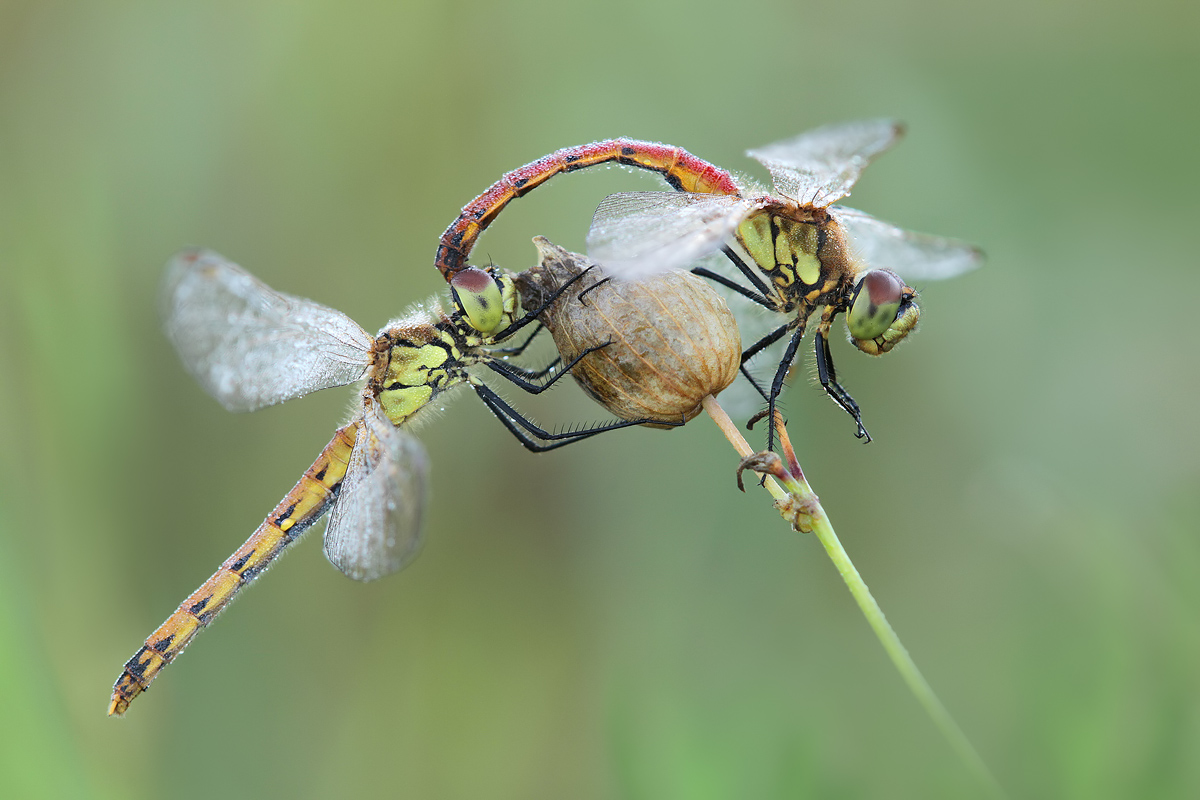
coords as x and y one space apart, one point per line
796 252
250 346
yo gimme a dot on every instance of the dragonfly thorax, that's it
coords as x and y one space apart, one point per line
802 255
415 362
419 357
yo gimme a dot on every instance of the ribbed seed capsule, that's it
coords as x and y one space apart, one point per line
668 340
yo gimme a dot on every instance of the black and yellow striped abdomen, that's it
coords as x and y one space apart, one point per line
302 506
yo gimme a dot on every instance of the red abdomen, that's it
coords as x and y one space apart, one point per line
681 169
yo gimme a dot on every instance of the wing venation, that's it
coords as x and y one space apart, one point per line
911 255
636 234
819 167
250 346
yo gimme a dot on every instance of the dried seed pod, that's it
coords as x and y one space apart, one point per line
666 342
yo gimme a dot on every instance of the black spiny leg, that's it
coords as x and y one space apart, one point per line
520 348
521 428
595 285
761 299
785 364
828 377
522 374
756 348
750 272
768 340
532 316
522 377
761 391
760 294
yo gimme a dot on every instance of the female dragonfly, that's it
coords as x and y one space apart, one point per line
250 346
804 253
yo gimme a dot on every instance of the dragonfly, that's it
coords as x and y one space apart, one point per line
250 346
796 251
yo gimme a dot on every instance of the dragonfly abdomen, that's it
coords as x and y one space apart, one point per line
682 170
300 508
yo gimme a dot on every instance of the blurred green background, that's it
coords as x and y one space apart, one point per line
614 619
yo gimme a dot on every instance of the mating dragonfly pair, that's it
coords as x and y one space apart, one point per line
250 346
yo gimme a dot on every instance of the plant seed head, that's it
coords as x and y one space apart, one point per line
666 342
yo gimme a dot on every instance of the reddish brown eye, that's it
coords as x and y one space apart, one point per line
471 279
884 285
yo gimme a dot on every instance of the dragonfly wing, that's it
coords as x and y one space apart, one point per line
636 234
375 526
880 245
819 167
250 346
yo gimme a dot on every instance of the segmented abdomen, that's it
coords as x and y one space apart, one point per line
302 506
680 168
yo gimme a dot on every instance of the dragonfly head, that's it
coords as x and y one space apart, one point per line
484 297
883 310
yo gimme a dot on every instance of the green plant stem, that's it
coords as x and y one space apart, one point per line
816 519
900 656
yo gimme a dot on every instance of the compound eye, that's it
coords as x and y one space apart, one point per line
477 296
875 304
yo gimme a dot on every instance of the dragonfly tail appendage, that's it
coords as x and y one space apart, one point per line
302 506
682 170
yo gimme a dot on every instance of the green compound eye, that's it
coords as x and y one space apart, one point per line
882 312
477 295
875 304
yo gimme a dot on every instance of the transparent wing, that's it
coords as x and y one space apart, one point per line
910 255
375 526
820 166
250 346
635 234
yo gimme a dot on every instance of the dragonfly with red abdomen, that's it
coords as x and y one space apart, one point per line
795 250
250 346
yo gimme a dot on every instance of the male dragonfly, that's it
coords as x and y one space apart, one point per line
804 253
250 346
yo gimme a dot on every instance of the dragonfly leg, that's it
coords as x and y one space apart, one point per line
521 377
508 370
518 349
750 272
756 348
532 315
758 388
828 378
785 364
536 439
593 286
734 286
768 340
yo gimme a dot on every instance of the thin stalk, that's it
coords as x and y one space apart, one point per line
800 505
